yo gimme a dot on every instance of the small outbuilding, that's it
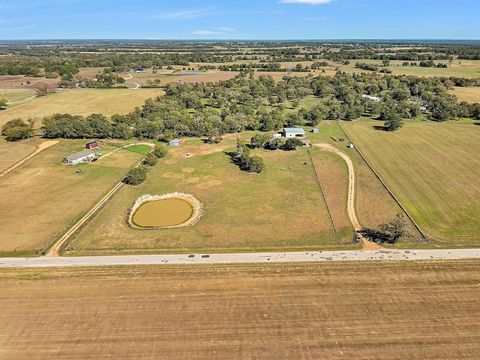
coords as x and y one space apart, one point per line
315 131
92 146
80 157
294 133
174 143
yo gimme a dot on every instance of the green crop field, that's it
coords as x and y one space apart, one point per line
81 102
433 169
42 198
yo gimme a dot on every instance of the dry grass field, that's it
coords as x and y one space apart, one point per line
468 94
27 82
11 153
81 102
12 95
425 310
374 205
280 208
434 170
42 198
167 77
460 68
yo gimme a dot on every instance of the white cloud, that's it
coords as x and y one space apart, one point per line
309 2
216 31
184 14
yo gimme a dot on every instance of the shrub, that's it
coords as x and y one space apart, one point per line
275 144
150 160
255 164
292 144
259 140
160 151
136 176
17 129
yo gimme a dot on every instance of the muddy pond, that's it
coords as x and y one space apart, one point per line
163 213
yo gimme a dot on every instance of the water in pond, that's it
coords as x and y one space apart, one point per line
163 213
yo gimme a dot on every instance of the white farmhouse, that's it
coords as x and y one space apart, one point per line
80 157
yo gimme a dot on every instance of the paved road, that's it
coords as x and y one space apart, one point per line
243 258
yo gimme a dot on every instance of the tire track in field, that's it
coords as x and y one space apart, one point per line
43 146
352 214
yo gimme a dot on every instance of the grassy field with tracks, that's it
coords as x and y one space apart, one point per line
282 208
11 153
13 95
388 310
434 170
42 198
81 102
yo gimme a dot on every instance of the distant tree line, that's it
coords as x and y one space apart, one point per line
249 103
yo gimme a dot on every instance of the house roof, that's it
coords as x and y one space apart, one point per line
294 131
79 155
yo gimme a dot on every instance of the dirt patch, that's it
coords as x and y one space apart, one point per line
188 170
25 82
295 311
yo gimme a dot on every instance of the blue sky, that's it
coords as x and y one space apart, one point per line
249 19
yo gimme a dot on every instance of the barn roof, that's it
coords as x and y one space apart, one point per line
294 131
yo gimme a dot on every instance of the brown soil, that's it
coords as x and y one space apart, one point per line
426 310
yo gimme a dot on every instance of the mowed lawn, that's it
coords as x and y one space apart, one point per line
388 310
81 102
434 169
42 198
282 208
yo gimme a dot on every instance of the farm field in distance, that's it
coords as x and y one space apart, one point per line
42 197
81 102
433 169
424 310
468 94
